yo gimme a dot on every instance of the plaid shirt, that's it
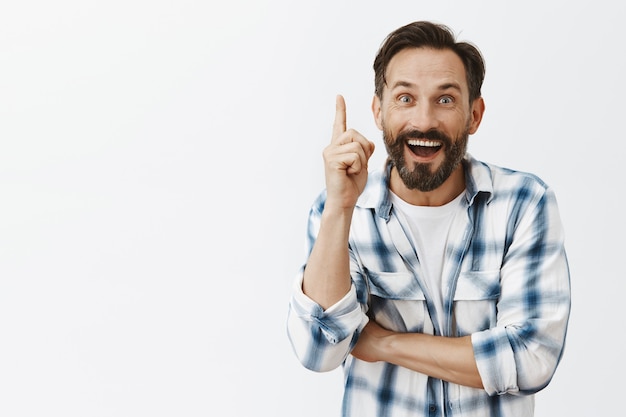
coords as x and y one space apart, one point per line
505 281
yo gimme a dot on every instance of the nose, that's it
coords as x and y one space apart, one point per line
424 117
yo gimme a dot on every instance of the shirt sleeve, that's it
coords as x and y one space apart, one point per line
322 339
521 353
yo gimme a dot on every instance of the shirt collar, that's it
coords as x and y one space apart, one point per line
376 194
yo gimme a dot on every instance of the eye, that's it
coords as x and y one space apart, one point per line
446 100
405 99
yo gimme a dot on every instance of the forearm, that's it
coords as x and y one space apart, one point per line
447 358
327 273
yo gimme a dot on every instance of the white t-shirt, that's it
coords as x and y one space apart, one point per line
429 228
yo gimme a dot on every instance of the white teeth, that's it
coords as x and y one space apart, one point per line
428 143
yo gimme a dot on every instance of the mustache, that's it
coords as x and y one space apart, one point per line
428 135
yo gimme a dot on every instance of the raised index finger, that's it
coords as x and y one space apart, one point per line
339 126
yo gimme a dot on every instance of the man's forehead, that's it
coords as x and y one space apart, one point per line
413 66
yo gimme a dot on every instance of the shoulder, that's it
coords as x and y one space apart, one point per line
500 181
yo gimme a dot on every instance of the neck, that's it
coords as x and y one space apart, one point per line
446 192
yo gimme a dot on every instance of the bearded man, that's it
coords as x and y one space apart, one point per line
439 283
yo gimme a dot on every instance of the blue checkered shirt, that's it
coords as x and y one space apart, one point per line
506 283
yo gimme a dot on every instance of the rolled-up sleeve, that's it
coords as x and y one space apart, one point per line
322 339
521 354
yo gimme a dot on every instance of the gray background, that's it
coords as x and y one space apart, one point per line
158 158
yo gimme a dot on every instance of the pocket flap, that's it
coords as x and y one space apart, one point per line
395 285
478 285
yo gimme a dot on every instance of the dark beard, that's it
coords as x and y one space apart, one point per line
421 178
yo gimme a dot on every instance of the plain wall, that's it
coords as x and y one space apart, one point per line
158 159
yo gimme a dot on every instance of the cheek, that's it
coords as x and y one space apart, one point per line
457 121
395 121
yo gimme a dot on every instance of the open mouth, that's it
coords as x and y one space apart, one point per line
424 147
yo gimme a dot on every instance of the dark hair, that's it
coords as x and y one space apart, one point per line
423 34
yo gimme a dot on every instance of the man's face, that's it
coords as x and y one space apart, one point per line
425 116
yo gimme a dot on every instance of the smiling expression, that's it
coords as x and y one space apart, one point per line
426 117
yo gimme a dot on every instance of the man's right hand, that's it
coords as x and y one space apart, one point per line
345 161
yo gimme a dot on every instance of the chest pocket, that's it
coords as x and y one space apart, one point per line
398 303
394 285
475 301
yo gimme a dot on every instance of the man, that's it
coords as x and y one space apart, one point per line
439 283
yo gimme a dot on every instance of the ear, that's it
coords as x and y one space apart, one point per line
376 111
478 109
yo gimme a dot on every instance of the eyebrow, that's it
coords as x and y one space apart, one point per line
401 84
442 87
